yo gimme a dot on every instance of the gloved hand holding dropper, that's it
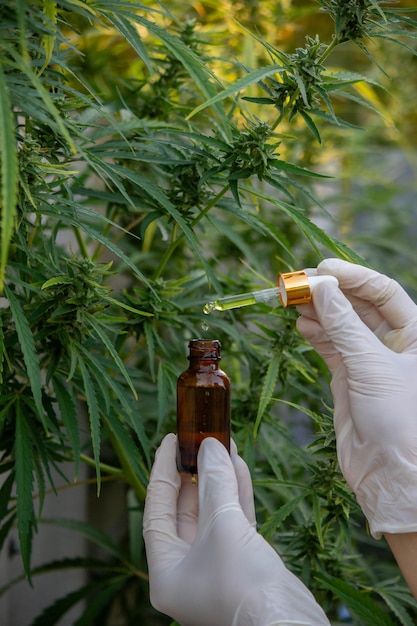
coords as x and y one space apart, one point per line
366 331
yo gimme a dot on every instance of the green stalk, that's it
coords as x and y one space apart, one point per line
108 469
329 49
81 242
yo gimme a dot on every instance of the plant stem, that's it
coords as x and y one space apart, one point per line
329 49
108 469
81 242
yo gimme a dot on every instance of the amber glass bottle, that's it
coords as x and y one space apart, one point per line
203 402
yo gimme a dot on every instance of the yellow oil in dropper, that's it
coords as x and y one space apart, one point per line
242 299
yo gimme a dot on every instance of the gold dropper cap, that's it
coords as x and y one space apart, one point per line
294 288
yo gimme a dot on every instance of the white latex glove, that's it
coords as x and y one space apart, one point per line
207 564
366 331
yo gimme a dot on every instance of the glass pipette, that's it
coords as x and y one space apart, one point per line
293 288
242 299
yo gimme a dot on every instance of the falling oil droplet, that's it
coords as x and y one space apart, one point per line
204 327
209 307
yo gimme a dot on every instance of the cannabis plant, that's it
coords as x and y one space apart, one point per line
154 157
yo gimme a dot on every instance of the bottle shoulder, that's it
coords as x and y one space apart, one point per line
200 378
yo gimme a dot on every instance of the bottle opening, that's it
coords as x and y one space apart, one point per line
204 349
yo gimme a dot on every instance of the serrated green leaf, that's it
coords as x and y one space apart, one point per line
267 389
311 125
69 416
24 463
125 306
275 520
154 191
97 236
94 416
101 333
61 565
127 453
9 174
249 79
397 607
57 280
150 343
25 67
311 230
317 517
359 603
202 75
130 33
100 588
135 421
27 345
48 40
101 598
129 408
295 169
204 78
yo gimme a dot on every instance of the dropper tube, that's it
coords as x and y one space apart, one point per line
242 299
293 288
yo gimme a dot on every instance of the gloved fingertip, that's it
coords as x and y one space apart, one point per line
327 290
211 451
167 446
216 475
165 458
331 266
169 440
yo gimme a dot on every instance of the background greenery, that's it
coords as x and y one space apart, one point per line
155 156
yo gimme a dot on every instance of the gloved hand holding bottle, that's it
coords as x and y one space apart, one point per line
366 331
207 564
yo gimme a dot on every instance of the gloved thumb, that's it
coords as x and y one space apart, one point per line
343 326
218 490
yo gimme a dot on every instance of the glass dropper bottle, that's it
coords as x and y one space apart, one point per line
292 288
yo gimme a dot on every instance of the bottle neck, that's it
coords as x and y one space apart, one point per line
204 354
206 365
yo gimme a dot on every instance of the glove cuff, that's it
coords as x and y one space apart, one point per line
389 500
281 606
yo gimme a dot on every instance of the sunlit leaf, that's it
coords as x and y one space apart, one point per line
242 83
